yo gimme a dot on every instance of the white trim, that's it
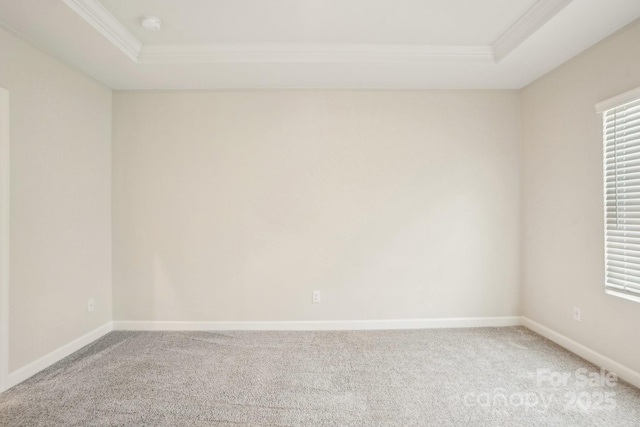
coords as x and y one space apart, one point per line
317 325
623 295
94 13
33 368
539 14
618 100
622 371
309 53
4 237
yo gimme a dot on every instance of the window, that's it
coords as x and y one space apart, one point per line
621 138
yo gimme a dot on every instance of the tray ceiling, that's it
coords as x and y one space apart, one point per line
219 44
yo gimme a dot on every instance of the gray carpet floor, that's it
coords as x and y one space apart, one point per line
437 377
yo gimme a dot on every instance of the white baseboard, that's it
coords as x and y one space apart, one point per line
33 368
44 362
317 325
622 371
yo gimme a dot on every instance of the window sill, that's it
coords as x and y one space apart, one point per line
622 295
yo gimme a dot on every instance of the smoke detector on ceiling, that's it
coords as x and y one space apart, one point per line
151 22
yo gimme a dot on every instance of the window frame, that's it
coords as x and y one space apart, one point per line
602 108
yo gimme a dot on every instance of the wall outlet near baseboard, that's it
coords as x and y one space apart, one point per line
91 305
316 297
576 313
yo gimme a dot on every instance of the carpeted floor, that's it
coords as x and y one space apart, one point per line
437 377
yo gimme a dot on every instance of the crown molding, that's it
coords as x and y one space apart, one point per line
310 53
539 14
102 20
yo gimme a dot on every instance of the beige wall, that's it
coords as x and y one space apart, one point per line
60 201
236 205
563 203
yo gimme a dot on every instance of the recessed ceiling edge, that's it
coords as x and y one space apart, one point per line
93 12
538 15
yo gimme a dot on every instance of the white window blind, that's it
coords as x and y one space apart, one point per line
621 127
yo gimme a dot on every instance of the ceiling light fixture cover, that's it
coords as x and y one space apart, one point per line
151 22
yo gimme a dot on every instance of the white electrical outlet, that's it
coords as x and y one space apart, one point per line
91 305
316 297
576 313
